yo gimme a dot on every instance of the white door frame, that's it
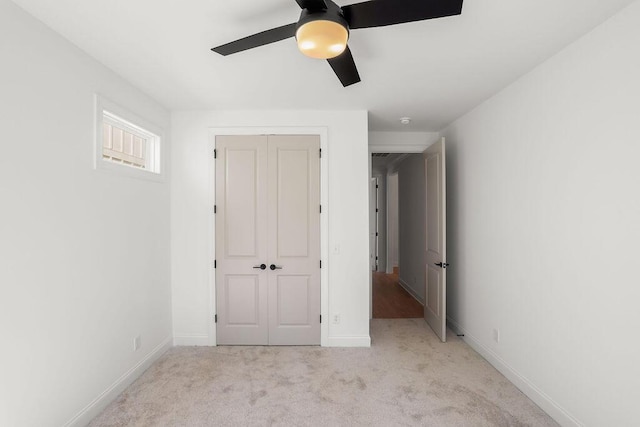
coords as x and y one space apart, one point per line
390 148
324 218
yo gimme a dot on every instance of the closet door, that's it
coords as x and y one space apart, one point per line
294 240
241 240
268 240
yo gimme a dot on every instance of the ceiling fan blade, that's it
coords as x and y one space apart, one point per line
312 4
379 13
256 40
345 68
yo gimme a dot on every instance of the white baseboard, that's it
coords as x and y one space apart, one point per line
191 340
358 341
411 291
102 401
557 412
203 340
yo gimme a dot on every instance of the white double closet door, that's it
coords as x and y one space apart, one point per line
268 240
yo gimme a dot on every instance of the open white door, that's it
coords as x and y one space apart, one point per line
372 224
435 307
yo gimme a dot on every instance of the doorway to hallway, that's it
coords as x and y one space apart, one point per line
395 294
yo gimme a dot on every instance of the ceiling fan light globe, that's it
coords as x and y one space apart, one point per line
322 39
337 48
306 45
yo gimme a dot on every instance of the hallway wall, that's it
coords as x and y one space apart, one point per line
411 213
392 222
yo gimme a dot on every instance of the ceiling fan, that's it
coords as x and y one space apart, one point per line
322 31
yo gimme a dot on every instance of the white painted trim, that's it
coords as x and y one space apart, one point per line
411 292
98 404
324 218
356 341
544 401
405 148
211 201
191 340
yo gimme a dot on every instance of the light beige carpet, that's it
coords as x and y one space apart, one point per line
407 377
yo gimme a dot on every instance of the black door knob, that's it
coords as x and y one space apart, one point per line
442 264
261 266
274 267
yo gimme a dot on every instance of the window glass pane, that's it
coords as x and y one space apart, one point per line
118 139
107 142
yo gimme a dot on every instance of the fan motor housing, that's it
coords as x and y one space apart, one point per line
333 13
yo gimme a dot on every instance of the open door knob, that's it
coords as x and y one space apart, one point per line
275 267
261 266
442 264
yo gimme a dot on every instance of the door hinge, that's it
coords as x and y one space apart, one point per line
320 208
377 186
320 153
320 263
321 318
215 264
215 208
377 210
215 318
376 234
215 153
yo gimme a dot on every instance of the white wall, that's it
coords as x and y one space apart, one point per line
84 254
392 222
544 227
411 225
348 278
400 142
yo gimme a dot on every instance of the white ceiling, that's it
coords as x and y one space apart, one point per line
433 71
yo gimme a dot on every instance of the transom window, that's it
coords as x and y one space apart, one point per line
126 143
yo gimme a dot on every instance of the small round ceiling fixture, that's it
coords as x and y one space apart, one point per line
405 120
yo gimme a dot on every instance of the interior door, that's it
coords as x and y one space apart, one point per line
268 240
435 308
372 224
241 240
294 240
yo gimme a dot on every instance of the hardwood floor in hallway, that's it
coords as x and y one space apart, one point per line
391 301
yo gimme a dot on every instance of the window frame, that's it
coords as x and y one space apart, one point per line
109 112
